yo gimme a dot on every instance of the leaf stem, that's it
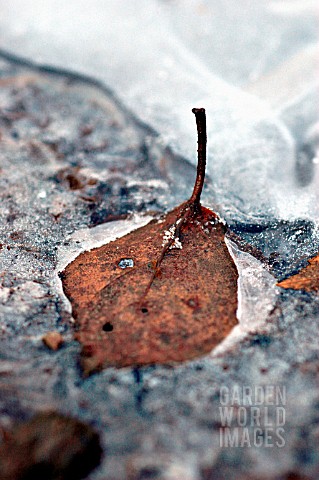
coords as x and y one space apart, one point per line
201 162
192 207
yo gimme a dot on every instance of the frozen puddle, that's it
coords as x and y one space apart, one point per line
257 291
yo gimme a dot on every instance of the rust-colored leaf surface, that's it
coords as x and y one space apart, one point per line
307 279
164 293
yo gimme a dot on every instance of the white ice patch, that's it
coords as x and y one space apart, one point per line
257 294
257 291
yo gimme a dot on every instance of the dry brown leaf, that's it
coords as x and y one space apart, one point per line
307 279
164 293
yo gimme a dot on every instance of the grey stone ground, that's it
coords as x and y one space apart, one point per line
71 158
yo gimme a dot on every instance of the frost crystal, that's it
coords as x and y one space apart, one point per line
170 235
177 244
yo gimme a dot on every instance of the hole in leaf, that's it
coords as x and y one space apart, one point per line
107 327
144 310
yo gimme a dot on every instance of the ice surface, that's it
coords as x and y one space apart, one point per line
257 291
160 74
243 41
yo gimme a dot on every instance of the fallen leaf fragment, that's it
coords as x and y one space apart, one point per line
50 446
53 340
164 293
307 279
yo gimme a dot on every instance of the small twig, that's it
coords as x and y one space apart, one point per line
201 163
